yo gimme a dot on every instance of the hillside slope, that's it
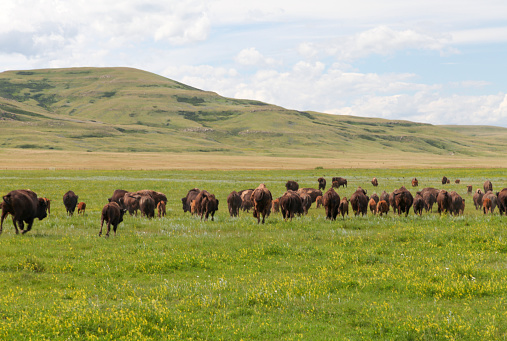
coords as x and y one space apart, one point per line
129 110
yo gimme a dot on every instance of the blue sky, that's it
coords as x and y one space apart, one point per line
439 62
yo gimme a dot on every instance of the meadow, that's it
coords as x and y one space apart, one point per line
178 278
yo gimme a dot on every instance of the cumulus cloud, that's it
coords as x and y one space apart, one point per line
252 57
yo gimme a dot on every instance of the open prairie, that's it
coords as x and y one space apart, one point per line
394 277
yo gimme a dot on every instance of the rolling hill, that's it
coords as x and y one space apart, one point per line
129 111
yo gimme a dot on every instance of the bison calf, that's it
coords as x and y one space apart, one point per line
112 214
161 209
382 207
81 208
486 205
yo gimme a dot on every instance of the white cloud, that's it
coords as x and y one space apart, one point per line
252 57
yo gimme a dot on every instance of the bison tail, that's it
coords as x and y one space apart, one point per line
7 198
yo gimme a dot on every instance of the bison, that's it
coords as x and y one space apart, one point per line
339 181
488 186
292 185
331 202
234 203
322 183
48 204
374 182
70 202
418 204
161 209
457 203
415 182
147 206
382 207
359 202
443 201
318 201
486 206
444 180
24 206
403 200
477 198
290 204
131 202
261 199
81 208
156 196
373 206
117 196
306 201
205 205
502 201
469 189
246 199
493 197
385 197
457 181
344 207
429 195
187 201
275 205
312 192
112 214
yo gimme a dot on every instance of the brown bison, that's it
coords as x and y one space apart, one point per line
292 185
234 203
156 196
246 199
339 181
81 208
457 204
403 200
275 205
306 202
70 202
477 198
261 199
385 196
373 206
322 183
374 182
112 214
187 201
318 201
48 204
117 196
469 189
312 192
429 195
290 204
344 207
331 202
382 207
415 182
205 204
502 201
443 201
444 180
488 186
486 206
359 202
24 206
161 209
457 181
130 202
147 206
418 204
493 197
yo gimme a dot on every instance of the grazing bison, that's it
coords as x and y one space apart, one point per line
359 202
385 196
493 197
275 205
117 196
161 209
488 186
403 200
457 181
234 203
24 206
418 204
382 207
290 204
187 201
486 206
261 199
477 198
318 201
344 207
374 182
444 180
331 202
131 202
70 202
292 185
209 205
306 202
322 183
443 201
429 195
373 206
375 197
81 208
112 214
156 196
457 204
502 201
147 206
469 189
415 182
246 199
339 181
312 192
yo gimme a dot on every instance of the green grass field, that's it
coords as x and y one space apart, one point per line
177 278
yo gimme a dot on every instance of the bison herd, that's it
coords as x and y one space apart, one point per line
24 206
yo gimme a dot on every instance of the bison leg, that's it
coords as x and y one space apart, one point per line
115 226
28 226
4 214
108 228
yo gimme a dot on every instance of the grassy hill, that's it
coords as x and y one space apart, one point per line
129 110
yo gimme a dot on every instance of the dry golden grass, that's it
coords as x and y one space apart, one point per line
45 159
